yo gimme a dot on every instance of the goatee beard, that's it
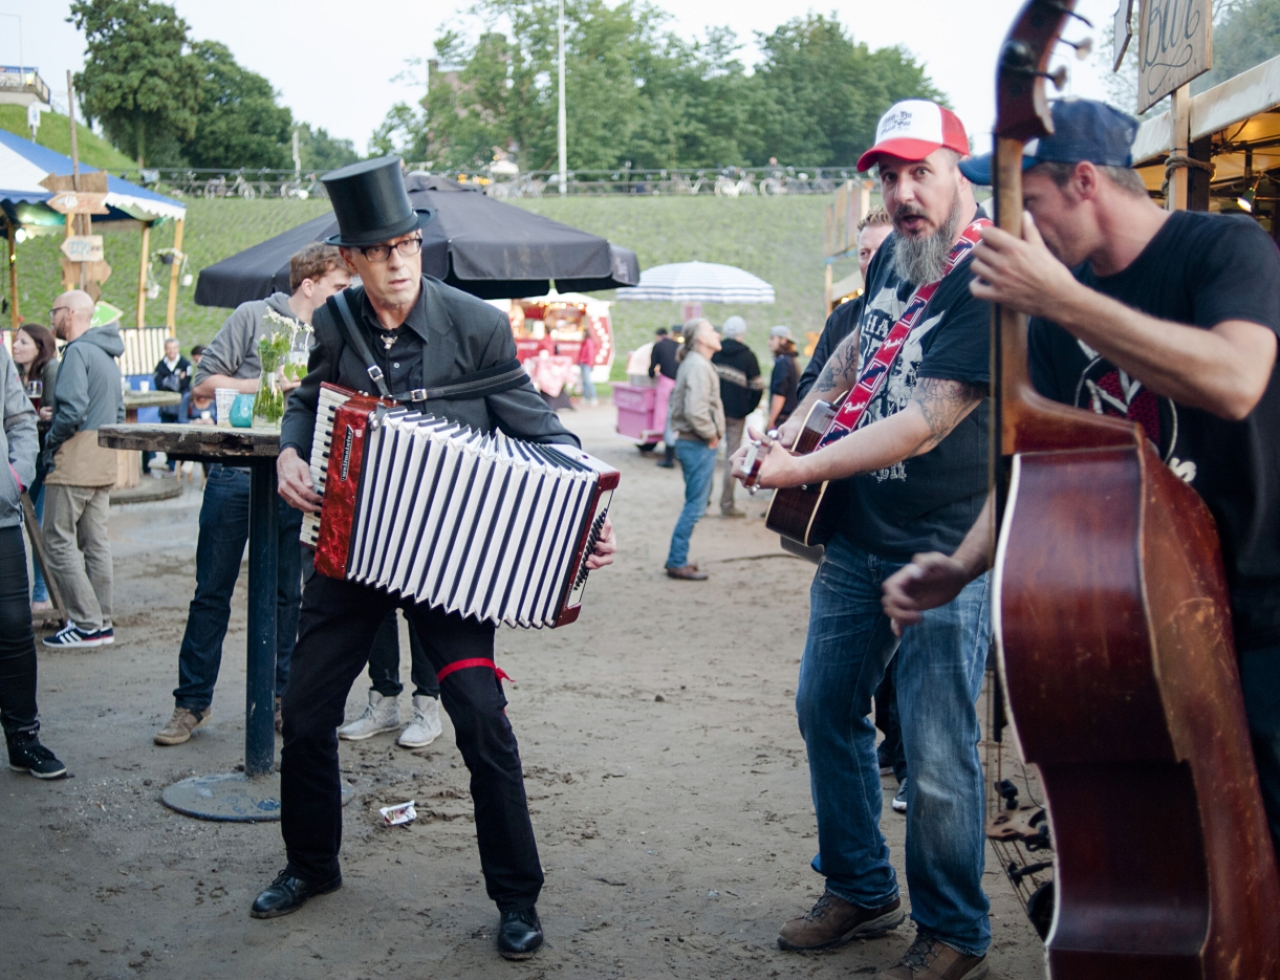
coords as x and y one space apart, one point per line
923 258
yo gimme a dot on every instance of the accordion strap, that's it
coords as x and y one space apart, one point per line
479 384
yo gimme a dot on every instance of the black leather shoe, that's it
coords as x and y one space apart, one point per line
519 934
288 894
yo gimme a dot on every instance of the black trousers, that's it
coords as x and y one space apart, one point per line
17 641
384 661
336 630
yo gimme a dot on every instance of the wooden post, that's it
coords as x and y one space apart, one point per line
73 227
142 274
1180 116
826 289
171 318
13 277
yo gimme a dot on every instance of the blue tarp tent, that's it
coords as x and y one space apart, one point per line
23 164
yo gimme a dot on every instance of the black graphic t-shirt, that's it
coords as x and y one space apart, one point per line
1200 269
929 502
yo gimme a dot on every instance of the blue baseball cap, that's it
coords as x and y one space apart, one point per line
1082 130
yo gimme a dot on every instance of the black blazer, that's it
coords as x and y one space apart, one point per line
461 335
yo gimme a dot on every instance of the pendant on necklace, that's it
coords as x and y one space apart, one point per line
388 340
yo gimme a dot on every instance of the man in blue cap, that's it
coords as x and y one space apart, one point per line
1166 318
443 352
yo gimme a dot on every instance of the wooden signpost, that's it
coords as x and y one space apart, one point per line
1175 45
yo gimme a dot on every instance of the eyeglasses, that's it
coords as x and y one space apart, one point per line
56 310
380 253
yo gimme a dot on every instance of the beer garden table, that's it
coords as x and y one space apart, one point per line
255 794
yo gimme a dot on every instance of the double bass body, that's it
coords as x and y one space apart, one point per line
1117 655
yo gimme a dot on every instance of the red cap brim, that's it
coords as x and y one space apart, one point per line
903 149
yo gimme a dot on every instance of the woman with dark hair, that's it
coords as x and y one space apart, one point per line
35 354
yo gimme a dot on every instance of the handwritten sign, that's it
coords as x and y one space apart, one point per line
83 248
78 202
1175 45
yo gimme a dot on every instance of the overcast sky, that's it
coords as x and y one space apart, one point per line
333 61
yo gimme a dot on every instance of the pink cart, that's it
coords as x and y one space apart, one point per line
638 412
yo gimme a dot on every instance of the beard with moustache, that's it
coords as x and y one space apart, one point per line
922 258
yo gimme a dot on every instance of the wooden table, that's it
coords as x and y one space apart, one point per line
129 465
255 794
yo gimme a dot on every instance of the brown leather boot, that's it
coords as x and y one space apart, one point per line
833 922
688 572
932 959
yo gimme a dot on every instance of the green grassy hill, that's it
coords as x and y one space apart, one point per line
55 133
778 239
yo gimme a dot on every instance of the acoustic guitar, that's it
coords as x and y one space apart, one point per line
1114 641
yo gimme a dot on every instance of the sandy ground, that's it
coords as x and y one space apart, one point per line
665 772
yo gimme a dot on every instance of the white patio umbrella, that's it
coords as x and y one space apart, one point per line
698 282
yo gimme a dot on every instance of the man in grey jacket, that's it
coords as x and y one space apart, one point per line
80 472
231 361
18 713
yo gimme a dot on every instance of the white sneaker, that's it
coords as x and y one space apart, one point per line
425 727
380 715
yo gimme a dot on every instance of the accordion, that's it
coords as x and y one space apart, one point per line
486 526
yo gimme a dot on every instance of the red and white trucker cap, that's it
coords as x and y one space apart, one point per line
913 129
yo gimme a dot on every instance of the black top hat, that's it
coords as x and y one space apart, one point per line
371 203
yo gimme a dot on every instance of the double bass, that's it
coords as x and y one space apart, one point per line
1116 653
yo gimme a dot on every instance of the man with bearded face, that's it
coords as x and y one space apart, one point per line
914 473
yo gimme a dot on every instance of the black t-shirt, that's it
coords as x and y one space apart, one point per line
786 376
929 502
1200 269
838 326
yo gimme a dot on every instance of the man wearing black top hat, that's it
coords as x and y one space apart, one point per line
419 334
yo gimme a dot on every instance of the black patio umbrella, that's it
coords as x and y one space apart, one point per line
490 249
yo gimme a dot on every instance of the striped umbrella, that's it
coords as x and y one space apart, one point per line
698 282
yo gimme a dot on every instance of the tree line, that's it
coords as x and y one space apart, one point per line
638 94
170 101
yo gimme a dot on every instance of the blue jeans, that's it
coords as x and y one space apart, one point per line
224 531
588 386
1260 682
698 462
39 591
938 677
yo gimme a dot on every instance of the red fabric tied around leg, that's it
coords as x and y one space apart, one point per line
472 662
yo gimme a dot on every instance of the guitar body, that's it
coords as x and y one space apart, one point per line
798 513
1115 644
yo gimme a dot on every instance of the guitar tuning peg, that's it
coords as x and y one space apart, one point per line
1059 77
1082 48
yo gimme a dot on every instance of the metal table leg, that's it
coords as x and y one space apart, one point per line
253 795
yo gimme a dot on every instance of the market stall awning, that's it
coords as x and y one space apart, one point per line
490 249
1241 115
23 164
699 282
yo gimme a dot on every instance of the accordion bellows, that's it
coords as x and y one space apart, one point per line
485 526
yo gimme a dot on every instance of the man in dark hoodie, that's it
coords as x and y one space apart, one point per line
18 446
231 361
740 389
80 472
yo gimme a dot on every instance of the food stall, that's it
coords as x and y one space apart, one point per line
550 331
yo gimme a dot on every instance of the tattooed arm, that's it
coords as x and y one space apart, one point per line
937 406
838 375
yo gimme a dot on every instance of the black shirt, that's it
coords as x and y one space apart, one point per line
1199 269
928 502
786 375
663 358
838 326
402 363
